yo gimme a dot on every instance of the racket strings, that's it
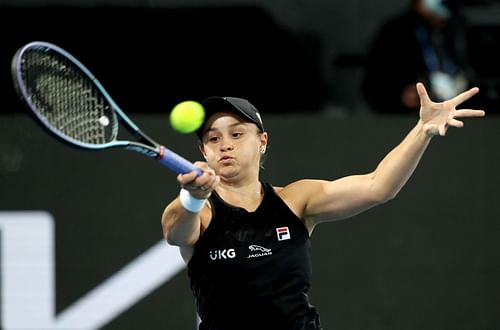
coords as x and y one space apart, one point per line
68 99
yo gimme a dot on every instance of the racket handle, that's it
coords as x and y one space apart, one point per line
176 162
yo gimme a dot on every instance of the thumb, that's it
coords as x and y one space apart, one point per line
422 94
442 130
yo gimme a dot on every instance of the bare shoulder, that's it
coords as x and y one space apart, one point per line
301 187
297 194
277 189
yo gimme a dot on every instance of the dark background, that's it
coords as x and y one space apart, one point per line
284 56
151 59
427 260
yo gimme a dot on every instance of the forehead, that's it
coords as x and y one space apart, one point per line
223 119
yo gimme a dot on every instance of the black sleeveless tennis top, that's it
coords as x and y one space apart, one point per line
252 270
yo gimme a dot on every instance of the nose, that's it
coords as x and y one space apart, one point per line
226 145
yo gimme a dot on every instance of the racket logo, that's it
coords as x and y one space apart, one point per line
144 151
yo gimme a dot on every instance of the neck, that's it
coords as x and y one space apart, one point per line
250 190
247 196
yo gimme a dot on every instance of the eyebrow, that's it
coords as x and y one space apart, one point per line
230 126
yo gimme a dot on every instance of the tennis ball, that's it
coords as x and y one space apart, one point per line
187 116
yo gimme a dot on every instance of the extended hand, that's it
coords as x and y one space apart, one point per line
437 117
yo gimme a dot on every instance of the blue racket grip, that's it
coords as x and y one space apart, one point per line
176 162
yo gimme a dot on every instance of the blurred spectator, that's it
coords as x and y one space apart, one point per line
424 43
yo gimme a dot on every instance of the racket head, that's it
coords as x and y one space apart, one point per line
64 96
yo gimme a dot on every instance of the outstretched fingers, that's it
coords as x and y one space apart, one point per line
455 123
464 96
462 113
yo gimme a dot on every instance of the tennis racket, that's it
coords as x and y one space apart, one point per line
75 108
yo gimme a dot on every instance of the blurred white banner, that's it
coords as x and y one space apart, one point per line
28 278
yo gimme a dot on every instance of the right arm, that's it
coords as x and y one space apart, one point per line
180 226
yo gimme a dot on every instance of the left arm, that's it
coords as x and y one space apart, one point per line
317 201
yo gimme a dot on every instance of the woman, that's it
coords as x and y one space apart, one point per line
247 248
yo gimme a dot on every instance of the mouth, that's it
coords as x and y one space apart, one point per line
225 158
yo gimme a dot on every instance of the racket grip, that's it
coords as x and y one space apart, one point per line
176 162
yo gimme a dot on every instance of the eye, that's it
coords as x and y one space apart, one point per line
213 139
236 134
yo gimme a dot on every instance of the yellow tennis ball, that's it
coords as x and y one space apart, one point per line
187 116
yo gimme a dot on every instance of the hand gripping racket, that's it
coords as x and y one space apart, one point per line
75 108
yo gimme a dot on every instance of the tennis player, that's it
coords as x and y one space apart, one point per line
246 242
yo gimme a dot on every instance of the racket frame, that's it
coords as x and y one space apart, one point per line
145 145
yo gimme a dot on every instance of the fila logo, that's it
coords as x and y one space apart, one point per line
222 254
283 233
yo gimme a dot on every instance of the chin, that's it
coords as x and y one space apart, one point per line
228 172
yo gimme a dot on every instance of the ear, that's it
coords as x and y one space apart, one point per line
202 151
263 142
